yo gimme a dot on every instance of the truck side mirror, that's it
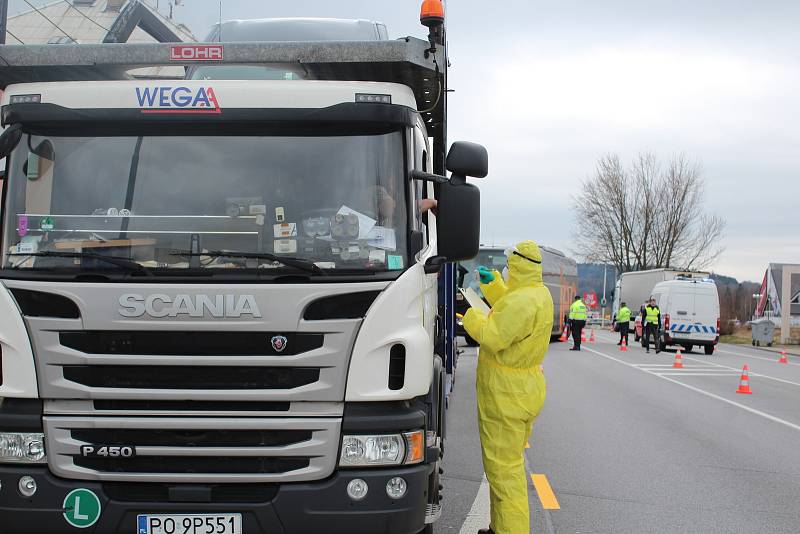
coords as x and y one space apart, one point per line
458 217
458 222
468 159
9 139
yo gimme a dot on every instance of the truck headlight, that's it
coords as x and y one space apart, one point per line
382 449
24 448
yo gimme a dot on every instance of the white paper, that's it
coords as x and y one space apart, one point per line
365 223
377 256
475 300
285 246
26 248
383 238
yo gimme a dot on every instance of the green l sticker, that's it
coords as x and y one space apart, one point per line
394 262
81 508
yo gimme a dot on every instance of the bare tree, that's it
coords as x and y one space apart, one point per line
646 217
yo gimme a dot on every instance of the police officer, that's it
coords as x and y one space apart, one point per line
652 325
623 320
577 319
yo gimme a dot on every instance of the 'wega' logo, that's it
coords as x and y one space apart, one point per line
164 99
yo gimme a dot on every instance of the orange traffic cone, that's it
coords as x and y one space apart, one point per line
744 382
624 346
783 357
678 360
591 338
583 336
563 337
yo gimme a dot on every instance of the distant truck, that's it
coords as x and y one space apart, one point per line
635 287
560 276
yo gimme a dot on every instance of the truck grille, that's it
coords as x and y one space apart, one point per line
191 438
191 406
209 403
210 465
172 343
217 366
195 449
185 377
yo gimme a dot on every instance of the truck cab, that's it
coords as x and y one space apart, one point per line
220 297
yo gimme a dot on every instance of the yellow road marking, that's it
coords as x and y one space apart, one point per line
546 495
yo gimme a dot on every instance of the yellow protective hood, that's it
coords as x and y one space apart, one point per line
521 271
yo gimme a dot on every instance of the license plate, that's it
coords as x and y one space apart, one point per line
189 524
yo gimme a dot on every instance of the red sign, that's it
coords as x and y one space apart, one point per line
590 299
202 52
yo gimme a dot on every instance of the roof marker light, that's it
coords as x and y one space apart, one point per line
373 98
26 99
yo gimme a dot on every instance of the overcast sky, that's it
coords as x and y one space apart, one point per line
550 86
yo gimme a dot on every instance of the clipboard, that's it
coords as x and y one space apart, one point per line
475 300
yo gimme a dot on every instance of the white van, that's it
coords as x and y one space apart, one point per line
689 313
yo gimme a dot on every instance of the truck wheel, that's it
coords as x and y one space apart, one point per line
769 344
471 342
687 348
427 530
709 349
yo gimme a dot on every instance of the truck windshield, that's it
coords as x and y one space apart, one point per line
325 204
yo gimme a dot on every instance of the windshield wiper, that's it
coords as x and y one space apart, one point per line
298 263
124 263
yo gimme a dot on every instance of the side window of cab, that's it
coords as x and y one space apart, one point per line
421 190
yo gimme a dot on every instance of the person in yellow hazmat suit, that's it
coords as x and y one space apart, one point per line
513 340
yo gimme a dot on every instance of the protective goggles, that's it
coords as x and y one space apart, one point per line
512 251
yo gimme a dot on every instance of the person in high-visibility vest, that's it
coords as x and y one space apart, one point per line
623 321
652 325
577 318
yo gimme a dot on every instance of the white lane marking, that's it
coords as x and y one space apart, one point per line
478 516
704 392
678 373
656 367
773 360
751 373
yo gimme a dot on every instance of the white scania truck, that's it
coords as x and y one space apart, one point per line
219 299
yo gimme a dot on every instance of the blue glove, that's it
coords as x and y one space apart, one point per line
486 274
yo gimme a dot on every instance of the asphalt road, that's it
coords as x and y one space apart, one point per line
631 445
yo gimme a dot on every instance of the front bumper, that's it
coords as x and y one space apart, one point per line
305 508
677 340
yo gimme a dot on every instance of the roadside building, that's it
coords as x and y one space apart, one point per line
779 298
771 301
